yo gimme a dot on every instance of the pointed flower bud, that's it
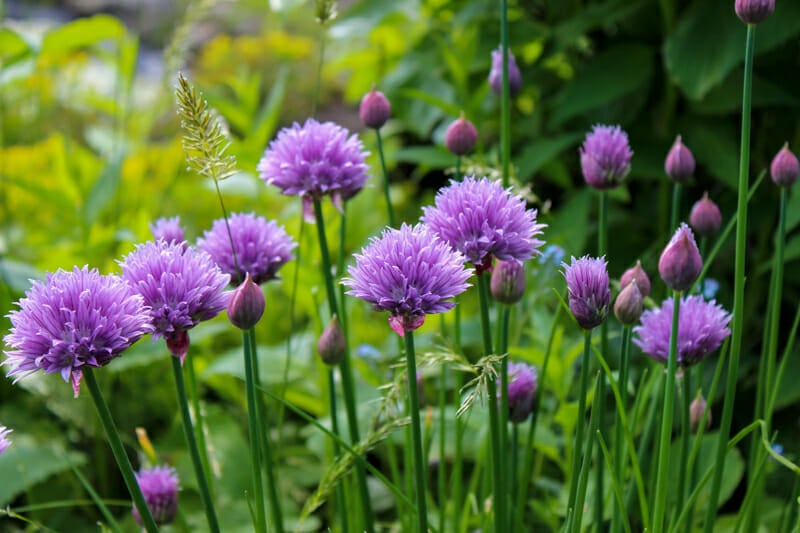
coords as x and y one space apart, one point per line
605 157
589 292
784 168
696 410
246 304
680 262
705 217
375 109
331 346
679 164
637 273
522 385
754 11
461 136
496 74
508 281
629 304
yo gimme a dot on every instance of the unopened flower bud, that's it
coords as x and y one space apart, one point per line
508 281
628 306
522 385
679 164
331 346
784 168
680 263
696 410
637 273
496 74
754 11
375 109
246 304
705 217
159 486
461 136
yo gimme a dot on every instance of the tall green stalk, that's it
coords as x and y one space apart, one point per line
619 459
348 385
416 432
254 432
581 422
505 99
600 399
738 288
194 451
502 348
576 517
114 440
386 193
662 473
675 209
686 402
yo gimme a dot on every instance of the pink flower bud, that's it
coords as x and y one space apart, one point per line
246 304
508 281
629 304
461 136
754 11
705 217
784 168
680 263
696 410
636 273
332 344
375 109
679 164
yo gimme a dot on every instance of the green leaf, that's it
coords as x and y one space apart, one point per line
615 73
103 192
732 469
727 97
27 462
13 47
429 156
540 152
443 104
716 147
17 274
81 33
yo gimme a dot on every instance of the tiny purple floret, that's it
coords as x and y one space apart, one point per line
605 157
4 440
589 290
160 486
702 326
410 273
74 319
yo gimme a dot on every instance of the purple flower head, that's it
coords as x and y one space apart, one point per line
754 11
315 159
702 326
705 217
461 136
785 167
482 220
680 263
522 385
637 273
76 318
589 292
159 487
4 441
605 157
496 73
679 164
168 229
262 247
375 109
181 288
409 272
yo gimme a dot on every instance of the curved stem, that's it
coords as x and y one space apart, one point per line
416 432
114 440
738 288
662 473
386 193
191 442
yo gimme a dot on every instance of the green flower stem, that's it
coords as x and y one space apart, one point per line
194 451
505 99
199 427
441 478
643 454
499 500
416 431
254 431
619 457
341 507
577 512
600 399
738 288
775 312
662 473
683 487
348 385
581 423
502 348
266 442
676 207
118 450
318 85
386 193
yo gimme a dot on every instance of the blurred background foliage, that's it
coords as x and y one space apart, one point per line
90 154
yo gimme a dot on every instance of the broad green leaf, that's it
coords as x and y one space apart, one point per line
608 77
17 274
539 152
727 97
103 191
81 33
428 156
716 147
441 103
732 469
13 47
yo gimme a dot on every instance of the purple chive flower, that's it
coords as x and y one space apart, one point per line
482 220
754 11
605 157
785 167
522 385
4 441
461 136
496 73
702 326
159 487
168 229
589 292
705 217
181 287
262 247
313 160
409 272
74 319
679 164
680 263
375 109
